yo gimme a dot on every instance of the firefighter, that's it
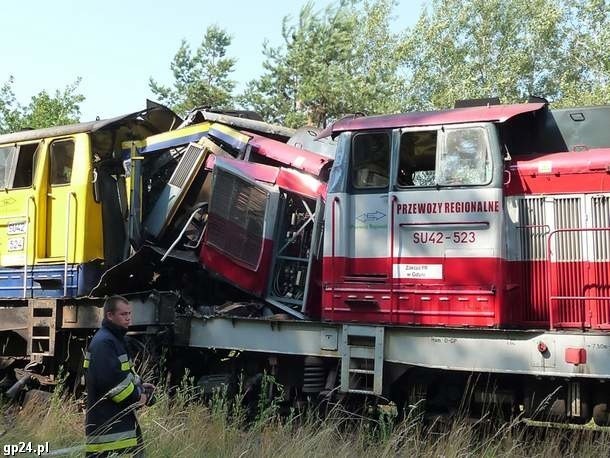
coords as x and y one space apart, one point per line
114 390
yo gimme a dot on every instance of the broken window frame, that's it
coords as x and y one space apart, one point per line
445 158
441 155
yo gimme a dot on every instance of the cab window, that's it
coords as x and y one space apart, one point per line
417 159
464 160
455 157
370 162
6 159
62 157
17 166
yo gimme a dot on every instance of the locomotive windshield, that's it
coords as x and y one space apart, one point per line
464 159
417 159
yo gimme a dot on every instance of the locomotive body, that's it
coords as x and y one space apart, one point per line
446 226
557 233
427 249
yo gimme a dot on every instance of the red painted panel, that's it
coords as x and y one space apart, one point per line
302 184
313 307
491 113
527 293
254 282
576 356
464 297
574 285
457 271
600 310
297 158
288 179
560 173
473 292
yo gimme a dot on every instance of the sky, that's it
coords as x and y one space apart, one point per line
115 46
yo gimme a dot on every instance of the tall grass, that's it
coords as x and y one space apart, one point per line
188 425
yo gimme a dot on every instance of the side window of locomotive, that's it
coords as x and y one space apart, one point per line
465 159
6 159
417 159
62 157
24 172
370 161
17 166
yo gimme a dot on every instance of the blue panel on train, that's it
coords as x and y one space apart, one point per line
47 280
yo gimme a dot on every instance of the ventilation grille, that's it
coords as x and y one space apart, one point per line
600 207
568 277
568 215
236 218
533 230
186 166
533 233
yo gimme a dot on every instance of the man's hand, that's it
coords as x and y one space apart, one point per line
143 400
147 394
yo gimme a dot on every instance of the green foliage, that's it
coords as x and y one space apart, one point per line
10 114
477 48
267 410
341 60
585 79
201 78
44 109
348 59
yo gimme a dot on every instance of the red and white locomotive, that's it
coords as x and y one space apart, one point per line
472 240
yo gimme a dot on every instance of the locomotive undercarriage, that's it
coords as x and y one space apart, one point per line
442 372
43 338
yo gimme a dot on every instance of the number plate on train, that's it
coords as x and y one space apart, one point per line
16 228
16 244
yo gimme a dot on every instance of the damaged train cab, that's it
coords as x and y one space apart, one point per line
62 203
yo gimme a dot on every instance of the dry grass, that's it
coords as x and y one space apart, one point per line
181 427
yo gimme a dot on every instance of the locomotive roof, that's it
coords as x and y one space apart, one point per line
489 113
156 115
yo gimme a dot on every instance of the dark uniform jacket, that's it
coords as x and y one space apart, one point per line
112 390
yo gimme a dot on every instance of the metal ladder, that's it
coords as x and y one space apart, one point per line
42 326
362 355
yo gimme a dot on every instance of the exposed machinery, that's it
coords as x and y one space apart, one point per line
407 257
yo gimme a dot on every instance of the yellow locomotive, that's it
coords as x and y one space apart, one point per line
63 203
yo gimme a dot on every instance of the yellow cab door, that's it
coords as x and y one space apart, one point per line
67 167
18 206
